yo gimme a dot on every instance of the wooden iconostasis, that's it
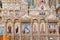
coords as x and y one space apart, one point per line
32 30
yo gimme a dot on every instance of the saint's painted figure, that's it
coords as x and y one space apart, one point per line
26 28
42 12
9 30
42 27
9 27
17 28
35 26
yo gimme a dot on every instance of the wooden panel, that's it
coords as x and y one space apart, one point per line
42 38
26 38
23 38
35 37
17 38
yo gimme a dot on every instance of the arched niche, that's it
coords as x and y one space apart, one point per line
42 26
9 27
17 26
35 26
35 29
17 29
26 30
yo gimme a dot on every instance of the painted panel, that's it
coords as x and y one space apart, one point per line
26 28
52 28
9 27
17 28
